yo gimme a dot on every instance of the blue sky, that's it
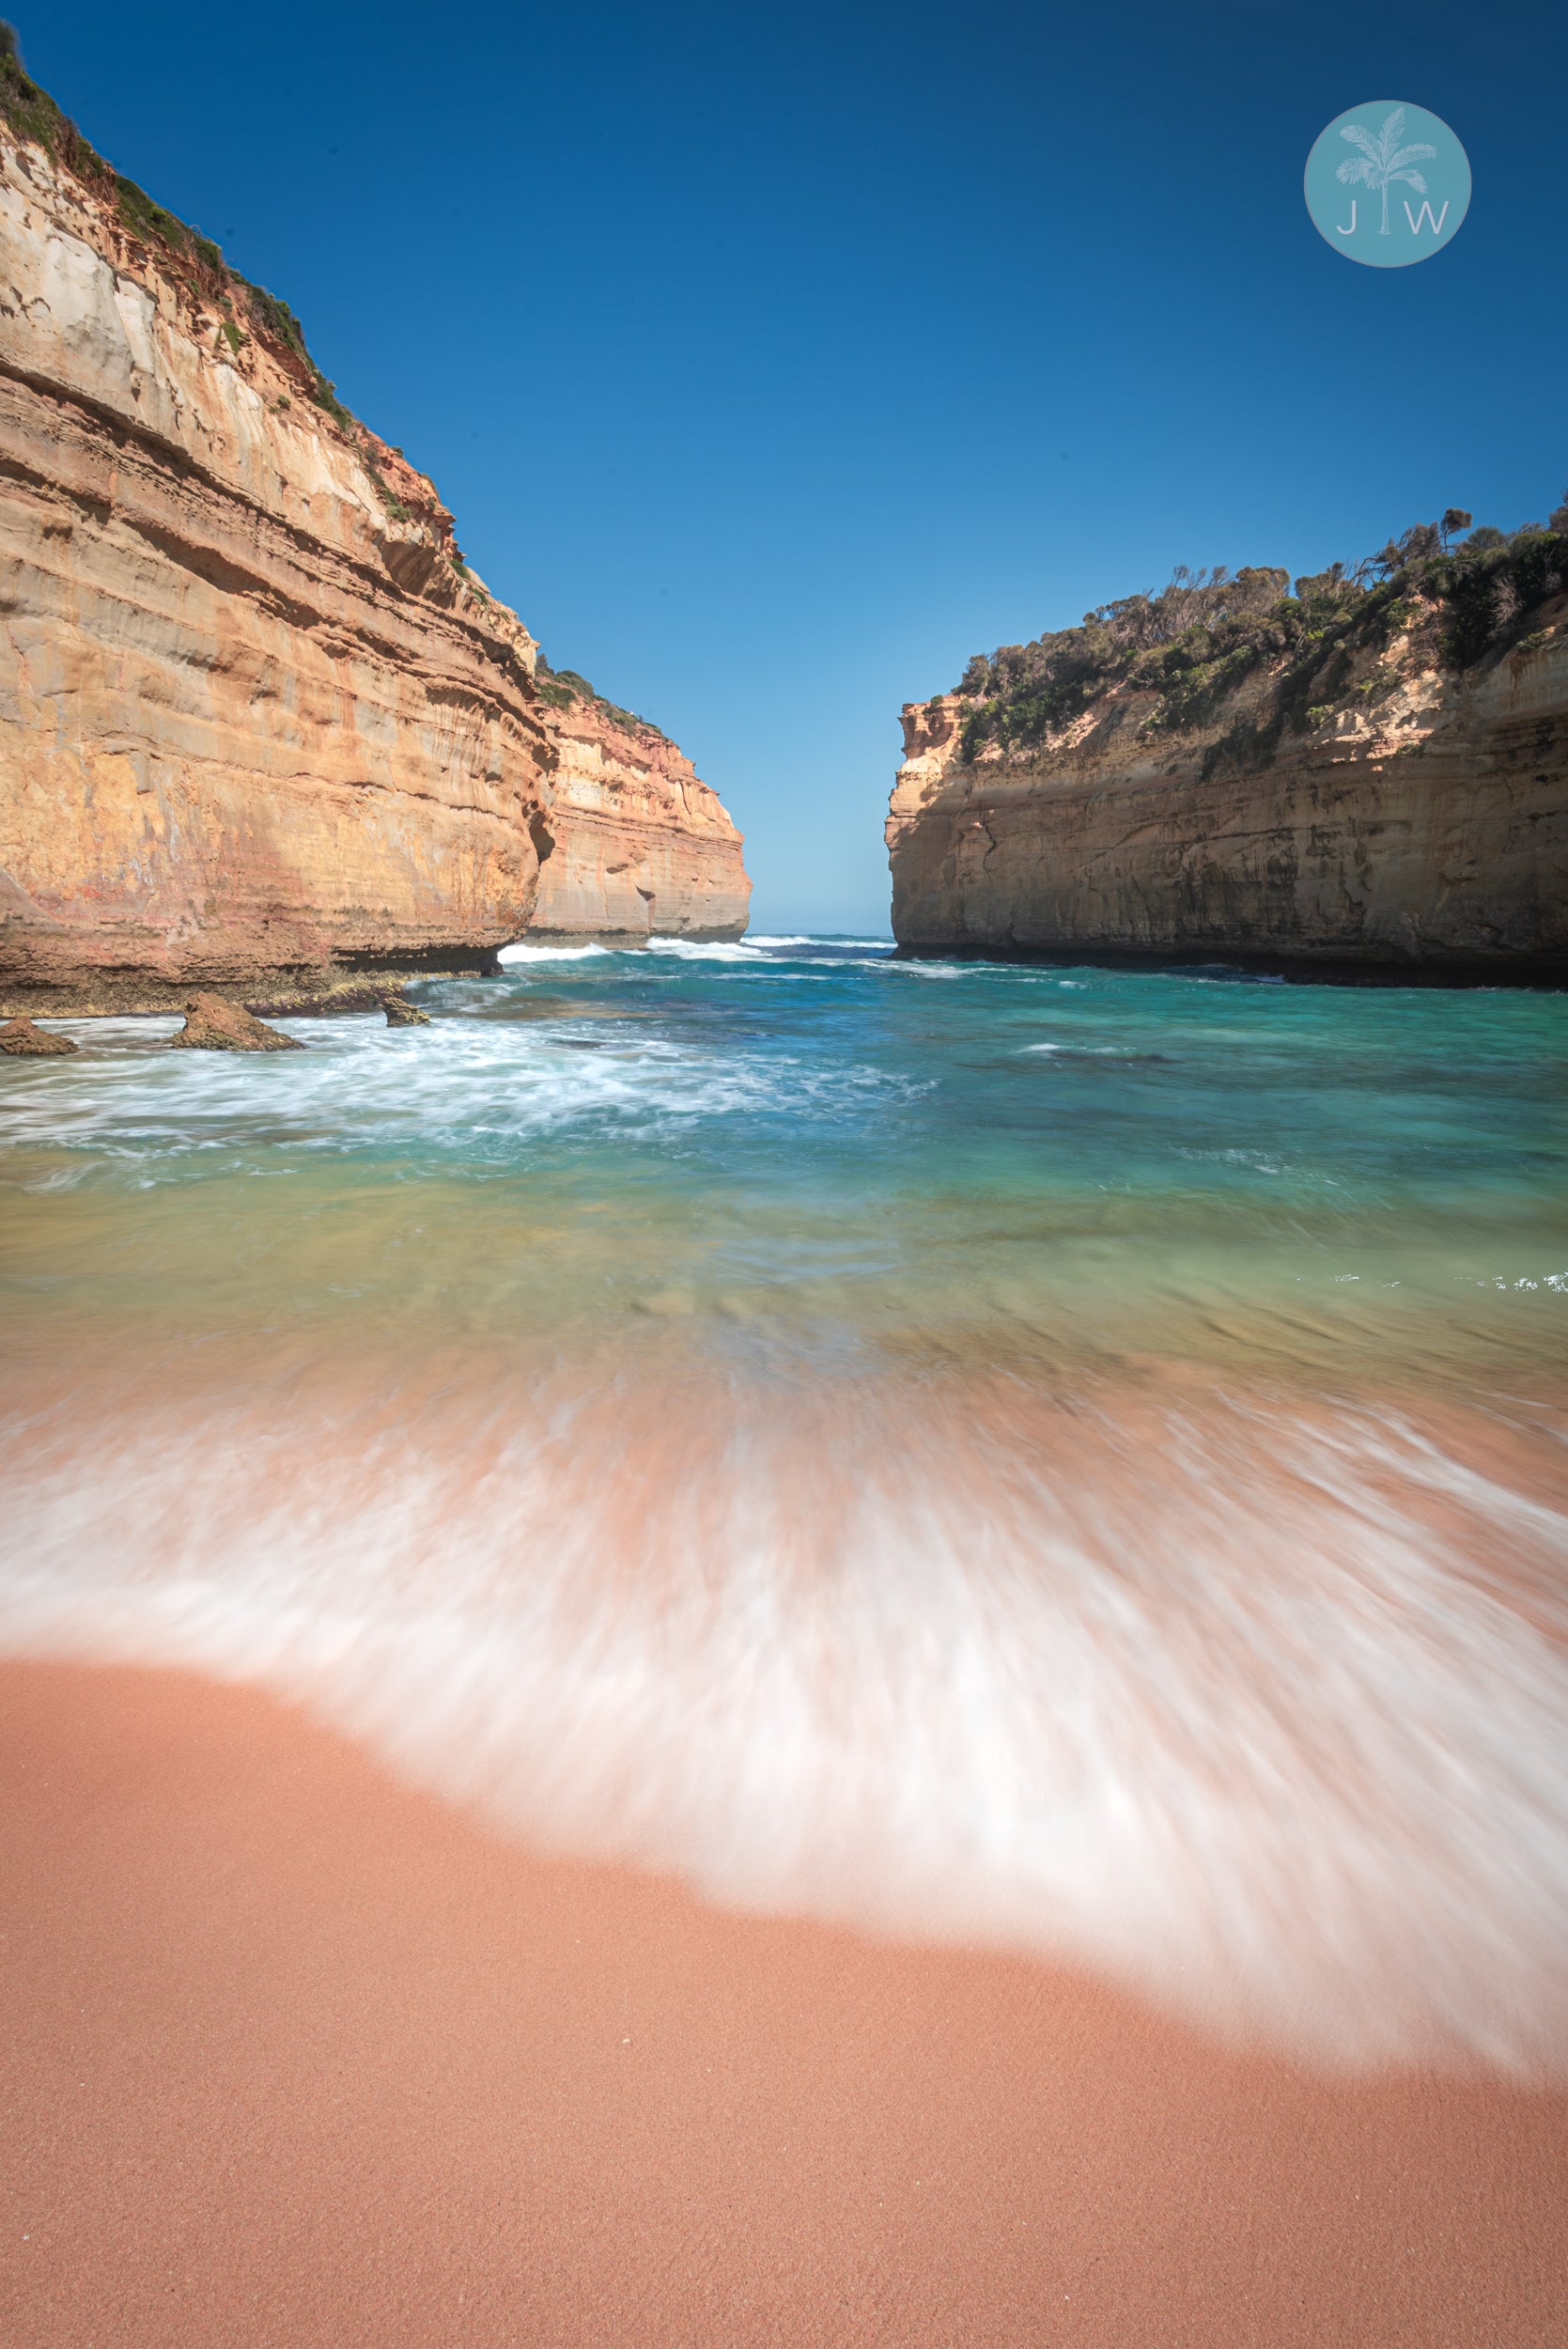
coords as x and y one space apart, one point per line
773 361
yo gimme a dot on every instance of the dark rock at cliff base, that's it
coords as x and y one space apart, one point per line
318 1003
339 996
400 1012
24 1042
212 1025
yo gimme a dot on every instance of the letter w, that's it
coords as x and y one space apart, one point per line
1415 219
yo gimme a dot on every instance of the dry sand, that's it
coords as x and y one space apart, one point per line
295 2056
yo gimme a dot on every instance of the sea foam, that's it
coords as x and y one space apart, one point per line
1258 1710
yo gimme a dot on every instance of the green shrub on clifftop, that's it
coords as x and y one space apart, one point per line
558 688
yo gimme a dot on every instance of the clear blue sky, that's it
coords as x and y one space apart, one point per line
775 361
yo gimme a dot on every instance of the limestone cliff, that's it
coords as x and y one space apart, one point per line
258 717
1342 791
642 847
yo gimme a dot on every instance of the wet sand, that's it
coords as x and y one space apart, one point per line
294 2055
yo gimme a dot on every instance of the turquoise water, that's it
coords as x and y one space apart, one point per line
1070 1458
818 1133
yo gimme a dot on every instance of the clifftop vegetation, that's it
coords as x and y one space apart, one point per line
1191 644
246 309
33 115
243 311
560 687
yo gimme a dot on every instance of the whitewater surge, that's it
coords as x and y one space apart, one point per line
1071 1464
1264 1713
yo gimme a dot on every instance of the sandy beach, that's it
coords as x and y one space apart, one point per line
295 2055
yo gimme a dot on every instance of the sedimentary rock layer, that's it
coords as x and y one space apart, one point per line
258 717
1424 828
253 714
642 847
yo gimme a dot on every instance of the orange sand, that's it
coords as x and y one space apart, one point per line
296 2057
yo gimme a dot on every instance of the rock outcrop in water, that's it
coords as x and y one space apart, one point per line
214 1025
22 1040
258 717
1370 779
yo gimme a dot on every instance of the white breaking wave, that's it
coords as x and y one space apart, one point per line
758 938
525 953
471 1083
1261 1712
705 949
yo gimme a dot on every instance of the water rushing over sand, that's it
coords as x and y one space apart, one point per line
1067 1460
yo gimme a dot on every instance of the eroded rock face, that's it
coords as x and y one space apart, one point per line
1425 830
213 1024
254 715
635 843
258 721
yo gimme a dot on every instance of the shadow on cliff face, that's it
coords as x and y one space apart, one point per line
1544 972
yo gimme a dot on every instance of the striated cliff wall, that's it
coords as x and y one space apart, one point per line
258 717
251 715
1416 819
641 844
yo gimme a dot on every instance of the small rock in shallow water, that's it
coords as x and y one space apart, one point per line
400 1012
24 1042
212 1025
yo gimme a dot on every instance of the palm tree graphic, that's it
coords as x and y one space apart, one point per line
1382 160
